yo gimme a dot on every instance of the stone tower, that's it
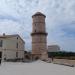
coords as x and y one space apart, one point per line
39 35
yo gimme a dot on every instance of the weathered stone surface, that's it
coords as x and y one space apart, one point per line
39 35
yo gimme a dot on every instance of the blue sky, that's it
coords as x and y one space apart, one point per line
15 18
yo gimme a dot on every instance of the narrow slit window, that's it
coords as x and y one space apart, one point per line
35 30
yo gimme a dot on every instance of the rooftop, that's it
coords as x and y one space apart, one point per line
38 14
10 36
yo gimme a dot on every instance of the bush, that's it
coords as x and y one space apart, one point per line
62 55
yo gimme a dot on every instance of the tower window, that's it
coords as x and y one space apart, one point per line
35 30
35 25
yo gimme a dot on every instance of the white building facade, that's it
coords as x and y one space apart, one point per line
12 47
53 48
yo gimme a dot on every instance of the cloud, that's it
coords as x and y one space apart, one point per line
8 17
60 20
9 26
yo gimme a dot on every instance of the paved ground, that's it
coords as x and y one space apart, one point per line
35 68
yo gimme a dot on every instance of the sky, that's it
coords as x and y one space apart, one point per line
16 18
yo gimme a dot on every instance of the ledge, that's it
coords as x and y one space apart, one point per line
39 34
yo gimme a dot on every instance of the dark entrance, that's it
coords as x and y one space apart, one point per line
36 58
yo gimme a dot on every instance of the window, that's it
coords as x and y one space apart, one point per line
17 45
0 54
17 37
35 30
16 54
1 43
35 25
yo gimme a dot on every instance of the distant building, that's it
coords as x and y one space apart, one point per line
53 48
12 47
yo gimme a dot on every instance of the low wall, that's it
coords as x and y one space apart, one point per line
64 61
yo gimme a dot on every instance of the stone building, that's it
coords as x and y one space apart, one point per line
53 48
39 35
11 47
